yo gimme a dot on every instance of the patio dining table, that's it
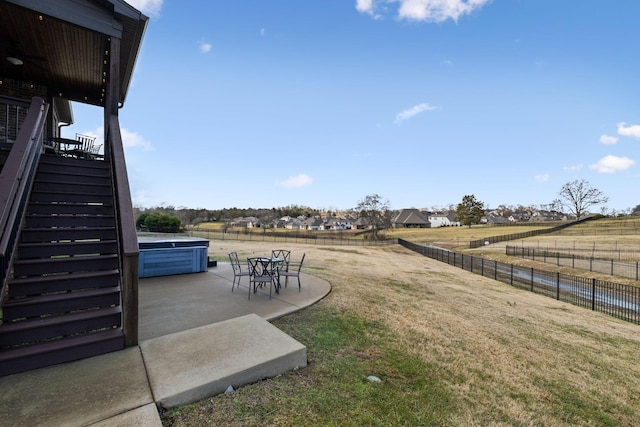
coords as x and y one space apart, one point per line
66 142
64 145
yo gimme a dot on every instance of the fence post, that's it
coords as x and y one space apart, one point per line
482 267
612 266
511 276
531 279
495 270
558 285
593 294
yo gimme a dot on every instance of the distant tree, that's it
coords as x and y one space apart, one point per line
376 211
159 222
141 219
469 211
577 196
635 211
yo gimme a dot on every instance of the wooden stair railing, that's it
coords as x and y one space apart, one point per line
127 237
15 183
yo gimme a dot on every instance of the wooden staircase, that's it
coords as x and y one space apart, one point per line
63 300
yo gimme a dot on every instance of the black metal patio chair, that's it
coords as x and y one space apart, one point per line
261 272
293 270
238 272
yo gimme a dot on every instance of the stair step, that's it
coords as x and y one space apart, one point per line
71 172
37 285
77 197
51 249
39 266
36 235
54 163
39 208
63 301
50 327
51 304
60 351
48 221
79 187
85 176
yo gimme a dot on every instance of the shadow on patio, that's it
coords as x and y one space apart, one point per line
196 339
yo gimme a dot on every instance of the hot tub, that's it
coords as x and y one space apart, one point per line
164 257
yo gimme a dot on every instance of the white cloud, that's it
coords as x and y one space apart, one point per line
608 140
297 181
416 109
133 140
437 10
368 7
543 177
574 168
364 6
204 47
148 7
263 31
612 164
129 139
632 131
423 10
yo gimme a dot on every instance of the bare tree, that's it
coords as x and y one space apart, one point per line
376 211
578 196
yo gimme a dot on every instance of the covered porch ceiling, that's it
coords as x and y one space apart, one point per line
64 45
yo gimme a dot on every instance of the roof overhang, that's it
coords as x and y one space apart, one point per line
64 45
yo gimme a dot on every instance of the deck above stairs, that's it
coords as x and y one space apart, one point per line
63 300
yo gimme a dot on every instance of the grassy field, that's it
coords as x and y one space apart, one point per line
450 348
451 237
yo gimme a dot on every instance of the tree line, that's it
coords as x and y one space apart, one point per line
576 197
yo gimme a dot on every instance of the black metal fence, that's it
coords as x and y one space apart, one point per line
525 234
614 299
621 251
628 269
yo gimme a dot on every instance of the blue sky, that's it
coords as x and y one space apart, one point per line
321 102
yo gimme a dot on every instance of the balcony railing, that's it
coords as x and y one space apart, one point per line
12 114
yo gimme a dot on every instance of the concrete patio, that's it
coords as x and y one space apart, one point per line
196 339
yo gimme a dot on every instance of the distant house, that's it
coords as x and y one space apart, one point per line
410 218
361 224
548 216
438 220
336 224
453 219
293 224
313 223
247 222
493 219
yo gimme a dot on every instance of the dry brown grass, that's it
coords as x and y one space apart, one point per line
507 357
